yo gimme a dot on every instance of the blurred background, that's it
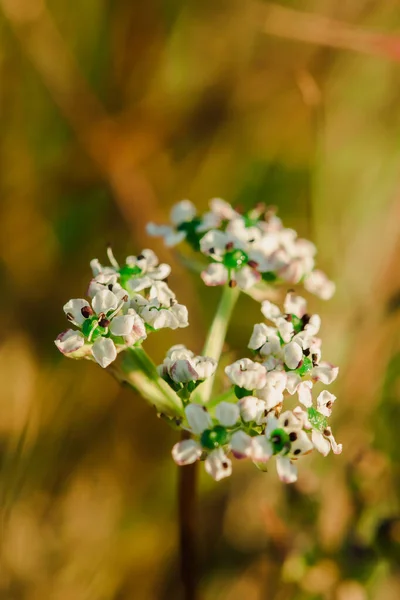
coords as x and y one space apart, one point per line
110 113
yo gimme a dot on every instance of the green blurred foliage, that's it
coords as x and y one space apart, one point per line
110 113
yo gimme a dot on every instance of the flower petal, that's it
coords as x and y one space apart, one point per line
227 413
104 301
241 444
104 351
325 372
325 402
287 471
182 211
182 371
186 452
122 325
198 418
215 274
304 393
320 443
69 341
218 464
293 355
73 310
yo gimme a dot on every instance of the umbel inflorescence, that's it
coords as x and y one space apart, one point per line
268 408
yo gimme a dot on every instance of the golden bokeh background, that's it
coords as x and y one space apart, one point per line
110 113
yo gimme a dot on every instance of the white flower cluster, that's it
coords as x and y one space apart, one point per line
287 361
126 303
244 249
184 371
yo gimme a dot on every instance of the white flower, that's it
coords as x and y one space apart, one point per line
105 331
270 311
158 316
324 441
317 283
251 409
247 374
325 372
182 213
138 273
218 465
272 392
295 305
186 452
182 366
325 402
241 444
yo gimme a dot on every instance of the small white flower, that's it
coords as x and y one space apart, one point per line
241 444
181 213
182 371
247 374
293 381
295 305
324 441
325 402
218 465
317 283
204 366
272 392
270 310
324 372
73 310
251 409
159 316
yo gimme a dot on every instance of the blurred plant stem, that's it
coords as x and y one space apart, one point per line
187 515
135 368
216 337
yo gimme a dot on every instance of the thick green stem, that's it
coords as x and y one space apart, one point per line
136 368
216 337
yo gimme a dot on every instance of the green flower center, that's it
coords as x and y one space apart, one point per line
212 438
126 273
88 326
190 228
280 440
235 259
305 367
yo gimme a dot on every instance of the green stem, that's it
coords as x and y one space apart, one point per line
216 337
136 368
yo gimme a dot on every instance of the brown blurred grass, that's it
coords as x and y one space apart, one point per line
110 113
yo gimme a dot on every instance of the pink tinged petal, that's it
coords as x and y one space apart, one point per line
223 209
198 418
227 413
122 325
182 211
104 301
251 409
186 452
295 305
325 372
317 283
270 311
218 465
287 471
104 351
214 275
320 443
262 449
182 371
293 381
293 355
241 444
246 277
304 392
336 448
74 308
69 341
325 402
293 271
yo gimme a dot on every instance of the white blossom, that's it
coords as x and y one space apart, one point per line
247 374
317 283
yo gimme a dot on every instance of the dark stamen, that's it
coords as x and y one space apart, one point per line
110 287
327 432
141 257
305 319
297 451
253 264
229 246
232 283
104 322
212 251
306 352
86 311
293 436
